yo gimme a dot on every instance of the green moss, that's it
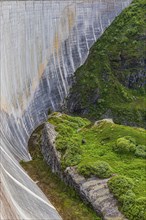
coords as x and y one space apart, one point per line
133 208
90 148
125 145
120 185
104 85
100 169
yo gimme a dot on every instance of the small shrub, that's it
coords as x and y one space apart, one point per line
128 198
125 145
119 185
100 169
134 208
140 151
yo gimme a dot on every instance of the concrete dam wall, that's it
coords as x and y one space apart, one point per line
42 43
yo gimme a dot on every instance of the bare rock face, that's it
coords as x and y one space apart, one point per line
51 155
108 120
93 191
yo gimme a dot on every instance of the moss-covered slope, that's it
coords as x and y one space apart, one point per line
112 82
104 149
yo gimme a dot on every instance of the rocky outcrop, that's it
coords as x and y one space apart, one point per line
93 191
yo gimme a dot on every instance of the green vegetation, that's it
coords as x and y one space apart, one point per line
128 145
133 207
99 168
103 149
120 185
140 151
64 198
112 82
125 145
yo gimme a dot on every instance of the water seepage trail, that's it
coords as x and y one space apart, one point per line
42 43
